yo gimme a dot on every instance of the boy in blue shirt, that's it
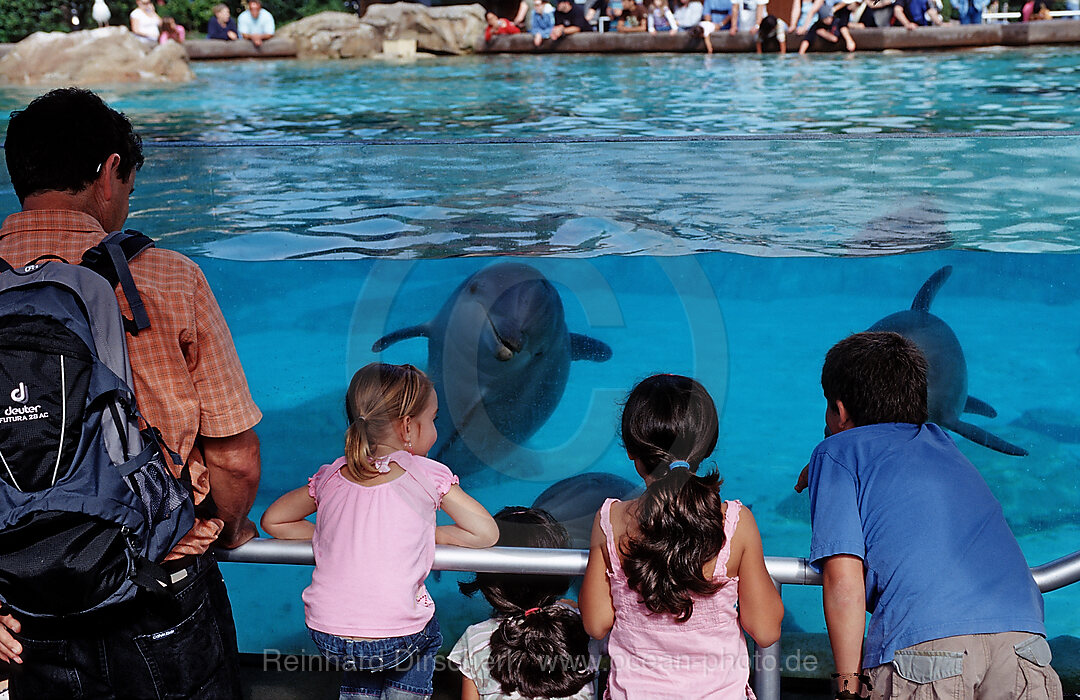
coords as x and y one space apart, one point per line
905 527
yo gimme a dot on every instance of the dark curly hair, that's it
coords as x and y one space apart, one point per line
680 520
541 653
540 648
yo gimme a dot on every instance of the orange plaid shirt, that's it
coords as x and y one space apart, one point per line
188 378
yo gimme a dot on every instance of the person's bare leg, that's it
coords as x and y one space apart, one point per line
849 43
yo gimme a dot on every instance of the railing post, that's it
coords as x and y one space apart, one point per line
767 667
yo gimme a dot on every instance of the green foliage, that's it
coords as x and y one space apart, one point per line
21 18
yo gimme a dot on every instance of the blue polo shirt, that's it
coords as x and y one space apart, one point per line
940 559
715 7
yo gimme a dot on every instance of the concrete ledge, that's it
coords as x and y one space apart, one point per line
949 36
213 49
5 48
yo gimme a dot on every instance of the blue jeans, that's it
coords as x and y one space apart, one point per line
395 668
161 646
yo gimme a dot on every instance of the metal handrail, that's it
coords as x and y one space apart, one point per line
571 562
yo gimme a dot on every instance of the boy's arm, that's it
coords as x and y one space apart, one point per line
844 600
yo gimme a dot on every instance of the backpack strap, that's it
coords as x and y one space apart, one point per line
110 260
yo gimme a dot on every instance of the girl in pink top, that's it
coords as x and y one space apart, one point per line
374 536
666 569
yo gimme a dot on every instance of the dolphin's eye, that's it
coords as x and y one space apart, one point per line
474 287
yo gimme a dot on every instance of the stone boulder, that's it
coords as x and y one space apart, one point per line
333 35
97 56
453 29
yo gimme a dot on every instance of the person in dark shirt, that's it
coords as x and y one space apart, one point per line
569 19
221 26
911 13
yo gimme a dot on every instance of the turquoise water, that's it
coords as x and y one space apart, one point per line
632 95
737 261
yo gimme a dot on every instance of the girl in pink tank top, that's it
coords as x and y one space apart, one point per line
677 575
374 537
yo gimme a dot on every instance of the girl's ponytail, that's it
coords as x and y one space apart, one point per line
669 426
379 396
541 653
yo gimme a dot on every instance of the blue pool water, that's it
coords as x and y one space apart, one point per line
737 261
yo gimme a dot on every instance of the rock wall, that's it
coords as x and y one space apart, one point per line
94 57
454 29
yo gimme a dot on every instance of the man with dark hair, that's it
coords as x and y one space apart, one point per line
73 161
905 527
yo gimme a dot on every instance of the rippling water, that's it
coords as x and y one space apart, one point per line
611 95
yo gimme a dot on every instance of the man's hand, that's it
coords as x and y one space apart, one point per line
9 646
243 532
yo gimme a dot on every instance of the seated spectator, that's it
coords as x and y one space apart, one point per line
543 21
498 25
171 30
911 13
809 13
970 10
874 13
221 25
634 17
145 21
595 9
569 19
688 14
716 15
833 29
750 14
661 18
1034 10
522 19
255 23
771 35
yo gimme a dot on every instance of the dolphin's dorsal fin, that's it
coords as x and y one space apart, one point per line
985 438
582 347
391 338
979 407
930 288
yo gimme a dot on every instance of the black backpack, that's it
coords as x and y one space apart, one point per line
88 503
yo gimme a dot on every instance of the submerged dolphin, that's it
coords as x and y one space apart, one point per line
946 375
574 501
499 354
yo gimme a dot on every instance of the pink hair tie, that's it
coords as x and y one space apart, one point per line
530 611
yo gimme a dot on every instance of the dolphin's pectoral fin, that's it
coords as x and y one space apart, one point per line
982 437
391 338
582 347
979 407
930 288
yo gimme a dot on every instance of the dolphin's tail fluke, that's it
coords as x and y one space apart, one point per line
930 288
982 437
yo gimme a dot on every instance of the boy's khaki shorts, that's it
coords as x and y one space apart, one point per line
1004 666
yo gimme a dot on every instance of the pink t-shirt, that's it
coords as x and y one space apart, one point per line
374 546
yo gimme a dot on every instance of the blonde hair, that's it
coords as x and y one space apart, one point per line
379 396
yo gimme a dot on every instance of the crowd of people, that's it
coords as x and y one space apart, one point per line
254 24
675 576
811 22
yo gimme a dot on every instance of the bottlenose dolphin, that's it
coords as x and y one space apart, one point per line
946 377
575 500
499 354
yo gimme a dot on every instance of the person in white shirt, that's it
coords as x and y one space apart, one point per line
688 14
255 23
750 14
145 21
